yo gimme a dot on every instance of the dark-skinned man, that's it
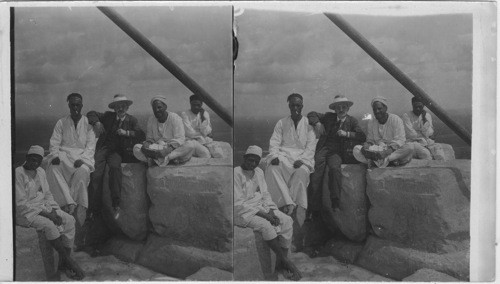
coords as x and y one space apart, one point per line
254 208
36 208
71 160
121 133
385 139
290 162
341 133
165 140
197 127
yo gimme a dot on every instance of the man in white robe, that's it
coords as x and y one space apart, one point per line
165 140
291 161
385 140
197 127
36 208
71 160
253 208
419 130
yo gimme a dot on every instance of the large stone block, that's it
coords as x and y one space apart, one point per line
179 259
429 275
424 208
253 259
396 261
211 274
134 203
352 218
343 250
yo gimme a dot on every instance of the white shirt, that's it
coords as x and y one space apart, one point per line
195 128
392 133
416 130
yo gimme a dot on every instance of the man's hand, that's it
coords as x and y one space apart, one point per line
366 146
384 154
56 219
71 209
288 209
165 151
297 164
98 129
121 132
424 120
313 118
202 115
273 219
78 163
275 161
146 144
56 161
342 133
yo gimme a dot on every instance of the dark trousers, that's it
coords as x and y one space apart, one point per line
113 160
322 158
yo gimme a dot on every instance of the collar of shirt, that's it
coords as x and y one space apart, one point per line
341 120
122 119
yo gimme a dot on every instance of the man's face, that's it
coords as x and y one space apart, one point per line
75 105
250 162
341 109
196 106
121 108
159 109
33 161
295 105
418 107
379 110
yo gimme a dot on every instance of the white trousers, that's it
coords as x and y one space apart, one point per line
269 232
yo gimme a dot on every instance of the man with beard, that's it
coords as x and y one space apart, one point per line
253 208
121 133
197 127
291 161
165 141
334 148
385 140
71 160
36 208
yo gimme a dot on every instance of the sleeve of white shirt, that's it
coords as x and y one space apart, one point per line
55 140
206 127
399 132
370 137
23 207
410 132
190 132
88 154
179 137
428 128
242 210
275 141
149 130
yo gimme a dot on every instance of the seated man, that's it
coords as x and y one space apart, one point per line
334 148
197 127
253 208
165 141
36 208
121 133
291 160
419 130
385 140
71 160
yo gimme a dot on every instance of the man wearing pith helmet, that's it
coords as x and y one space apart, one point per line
339 133
121 132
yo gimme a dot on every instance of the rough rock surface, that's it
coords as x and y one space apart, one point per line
429 275
193 202
329 269
134 204
180 259
123 248
211 274
343 250
446 154
396 261
351 219
253 259
426 209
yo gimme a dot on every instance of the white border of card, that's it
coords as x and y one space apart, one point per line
484 106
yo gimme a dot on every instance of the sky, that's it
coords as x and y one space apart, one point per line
284 52
60 50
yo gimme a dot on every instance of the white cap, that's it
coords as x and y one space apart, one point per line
35 149
255 150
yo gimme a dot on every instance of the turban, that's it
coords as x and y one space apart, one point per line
36 150
159 98
254 150
379 99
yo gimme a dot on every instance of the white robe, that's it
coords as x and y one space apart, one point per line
67 183
287 185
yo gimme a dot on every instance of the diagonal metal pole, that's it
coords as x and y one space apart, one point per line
156 53
399 75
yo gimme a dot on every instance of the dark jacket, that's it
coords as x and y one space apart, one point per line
123 145
340 145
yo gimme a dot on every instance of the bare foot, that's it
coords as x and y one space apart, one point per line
73 270
291 271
